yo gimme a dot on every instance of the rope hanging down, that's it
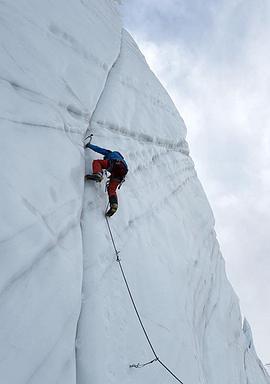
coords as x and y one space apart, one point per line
136 311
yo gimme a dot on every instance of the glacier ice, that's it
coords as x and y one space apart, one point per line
68 68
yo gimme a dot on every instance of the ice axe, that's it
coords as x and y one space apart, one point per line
90 137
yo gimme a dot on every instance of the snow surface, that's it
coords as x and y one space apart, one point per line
67 69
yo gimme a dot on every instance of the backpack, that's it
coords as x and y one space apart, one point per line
118 169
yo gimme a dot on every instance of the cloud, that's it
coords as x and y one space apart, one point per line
213 59
164 20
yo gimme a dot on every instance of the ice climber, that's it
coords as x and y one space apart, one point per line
113 162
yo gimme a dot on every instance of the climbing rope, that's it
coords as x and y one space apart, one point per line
136 310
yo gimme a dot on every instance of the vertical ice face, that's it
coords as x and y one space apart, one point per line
65 67
165 234
55 57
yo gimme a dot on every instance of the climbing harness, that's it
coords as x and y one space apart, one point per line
139 365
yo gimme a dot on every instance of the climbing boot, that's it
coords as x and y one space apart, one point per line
95 176
112 210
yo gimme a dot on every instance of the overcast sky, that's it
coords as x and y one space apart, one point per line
213 57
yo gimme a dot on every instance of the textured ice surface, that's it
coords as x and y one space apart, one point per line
63 65
55 57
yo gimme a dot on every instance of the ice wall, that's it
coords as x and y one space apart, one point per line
55 57
68 68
